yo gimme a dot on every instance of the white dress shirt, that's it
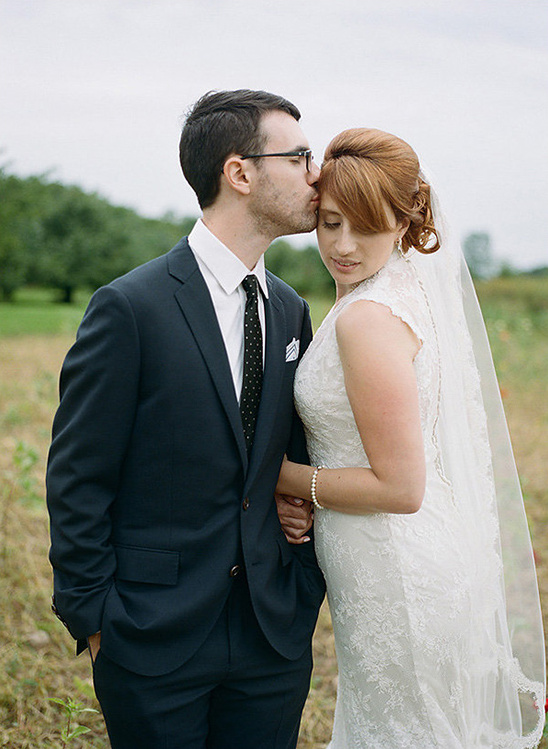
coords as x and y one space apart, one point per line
223 273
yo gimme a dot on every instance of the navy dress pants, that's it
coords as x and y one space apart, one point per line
236 692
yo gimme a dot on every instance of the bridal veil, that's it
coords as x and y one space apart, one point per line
477 461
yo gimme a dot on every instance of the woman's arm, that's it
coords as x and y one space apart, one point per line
377 351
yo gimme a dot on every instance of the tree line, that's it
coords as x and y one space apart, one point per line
61 237
64 238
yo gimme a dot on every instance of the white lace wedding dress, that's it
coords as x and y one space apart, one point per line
406 597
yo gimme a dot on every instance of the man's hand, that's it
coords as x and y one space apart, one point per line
94 644
295 518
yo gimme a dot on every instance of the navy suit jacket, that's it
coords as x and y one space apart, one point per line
151 495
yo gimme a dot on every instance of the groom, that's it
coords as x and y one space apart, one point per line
169 560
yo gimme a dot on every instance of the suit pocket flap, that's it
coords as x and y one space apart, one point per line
147 565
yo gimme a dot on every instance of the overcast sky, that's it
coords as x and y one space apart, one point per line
94 91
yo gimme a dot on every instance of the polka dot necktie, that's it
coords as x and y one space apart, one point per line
253 361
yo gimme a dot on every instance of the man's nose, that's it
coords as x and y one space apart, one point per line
313 174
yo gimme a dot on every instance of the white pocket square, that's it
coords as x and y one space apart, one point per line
292 350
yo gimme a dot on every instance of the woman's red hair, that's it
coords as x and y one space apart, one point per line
364 170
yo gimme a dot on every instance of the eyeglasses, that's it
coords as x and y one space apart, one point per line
306 153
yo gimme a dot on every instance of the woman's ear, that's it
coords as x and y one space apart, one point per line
236 174
403 227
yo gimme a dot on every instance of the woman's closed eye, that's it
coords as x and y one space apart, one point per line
330 225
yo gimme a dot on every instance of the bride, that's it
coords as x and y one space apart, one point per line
419 524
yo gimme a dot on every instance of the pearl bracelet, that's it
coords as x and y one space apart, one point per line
313 497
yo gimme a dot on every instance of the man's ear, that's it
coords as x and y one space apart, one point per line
236 174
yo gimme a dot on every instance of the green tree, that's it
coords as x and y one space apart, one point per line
479 255
152 237
300 268
64 238
19 229
85 242
89 242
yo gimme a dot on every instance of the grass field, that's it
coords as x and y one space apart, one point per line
37 657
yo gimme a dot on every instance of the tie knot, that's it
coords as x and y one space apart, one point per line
250 287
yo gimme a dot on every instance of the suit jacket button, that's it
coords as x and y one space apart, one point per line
245 503
234 571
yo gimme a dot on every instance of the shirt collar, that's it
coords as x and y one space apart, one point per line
228 270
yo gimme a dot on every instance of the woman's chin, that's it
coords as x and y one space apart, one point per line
347 278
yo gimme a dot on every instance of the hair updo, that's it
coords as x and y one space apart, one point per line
364 170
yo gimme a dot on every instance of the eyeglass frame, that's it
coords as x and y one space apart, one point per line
306 152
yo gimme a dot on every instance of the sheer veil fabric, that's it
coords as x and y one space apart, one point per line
477 461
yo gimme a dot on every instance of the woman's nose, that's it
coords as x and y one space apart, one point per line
345 245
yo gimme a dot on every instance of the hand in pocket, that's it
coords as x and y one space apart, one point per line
94 645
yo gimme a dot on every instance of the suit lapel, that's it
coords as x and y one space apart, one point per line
195 302
272 380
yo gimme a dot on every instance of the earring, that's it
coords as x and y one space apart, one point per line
398 246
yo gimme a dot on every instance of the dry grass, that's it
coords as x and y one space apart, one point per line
36 656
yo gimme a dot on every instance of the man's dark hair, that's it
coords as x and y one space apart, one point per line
222 123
